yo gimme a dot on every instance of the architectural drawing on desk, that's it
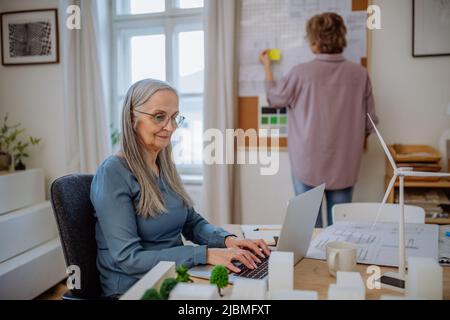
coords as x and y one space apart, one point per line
362 240
414 241
410 244
377 245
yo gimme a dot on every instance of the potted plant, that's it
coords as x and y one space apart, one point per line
8 135
5 161
12 148
115 137
20 152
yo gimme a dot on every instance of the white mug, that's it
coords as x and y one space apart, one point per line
341 256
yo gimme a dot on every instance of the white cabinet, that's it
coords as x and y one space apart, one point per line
26 228
21 189
31 257
31 273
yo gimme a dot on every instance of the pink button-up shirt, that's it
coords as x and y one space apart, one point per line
328 100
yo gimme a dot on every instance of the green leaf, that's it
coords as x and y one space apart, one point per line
166 287
151 294
10 138
182 274
219 276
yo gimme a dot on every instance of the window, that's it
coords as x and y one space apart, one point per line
185 4
163 39
140 6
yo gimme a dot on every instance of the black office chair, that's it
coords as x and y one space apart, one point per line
74 213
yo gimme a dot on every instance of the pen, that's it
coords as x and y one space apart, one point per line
266 229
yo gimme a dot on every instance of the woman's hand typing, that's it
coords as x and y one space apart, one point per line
248 252
226 256
258 247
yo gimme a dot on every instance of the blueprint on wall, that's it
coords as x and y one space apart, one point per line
282 24
378 245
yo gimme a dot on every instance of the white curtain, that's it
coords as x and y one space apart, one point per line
221 193
85 61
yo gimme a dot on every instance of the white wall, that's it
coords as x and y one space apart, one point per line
412 96
264 198
33 96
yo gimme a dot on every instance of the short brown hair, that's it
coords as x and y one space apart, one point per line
327 31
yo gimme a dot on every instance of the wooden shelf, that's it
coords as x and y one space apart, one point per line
423 184
443 184
415 184
438 221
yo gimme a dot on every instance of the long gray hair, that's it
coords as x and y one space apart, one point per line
151 202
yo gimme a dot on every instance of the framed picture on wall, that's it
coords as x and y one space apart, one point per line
29 37
431 28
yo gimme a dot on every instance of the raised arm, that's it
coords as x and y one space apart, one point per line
265 60
283 93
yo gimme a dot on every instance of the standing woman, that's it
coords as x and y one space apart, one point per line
328 100
142 209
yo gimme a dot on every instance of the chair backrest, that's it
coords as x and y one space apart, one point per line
74 213
368 212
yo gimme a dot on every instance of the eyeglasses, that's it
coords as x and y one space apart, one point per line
161 119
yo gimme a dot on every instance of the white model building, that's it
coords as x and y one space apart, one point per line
249 289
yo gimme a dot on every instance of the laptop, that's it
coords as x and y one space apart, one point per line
295 236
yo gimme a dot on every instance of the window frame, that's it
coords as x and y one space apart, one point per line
168 23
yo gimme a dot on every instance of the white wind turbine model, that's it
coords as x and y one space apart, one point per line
397 280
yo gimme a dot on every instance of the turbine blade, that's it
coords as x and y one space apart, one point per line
386 195
383 144
424 174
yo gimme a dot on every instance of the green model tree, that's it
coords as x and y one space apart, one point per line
151 294
219 277
182 274
166 287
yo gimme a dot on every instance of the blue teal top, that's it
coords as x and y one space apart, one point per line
130 245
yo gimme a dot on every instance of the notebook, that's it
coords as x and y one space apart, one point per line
269 232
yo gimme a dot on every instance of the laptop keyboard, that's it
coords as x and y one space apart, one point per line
260 272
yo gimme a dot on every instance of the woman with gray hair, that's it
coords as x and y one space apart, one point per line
141 206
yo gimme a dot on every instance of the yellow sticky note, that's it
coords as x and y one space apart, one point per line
275 54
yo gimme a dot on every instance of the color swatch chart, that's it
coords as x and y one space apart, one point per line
272 118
